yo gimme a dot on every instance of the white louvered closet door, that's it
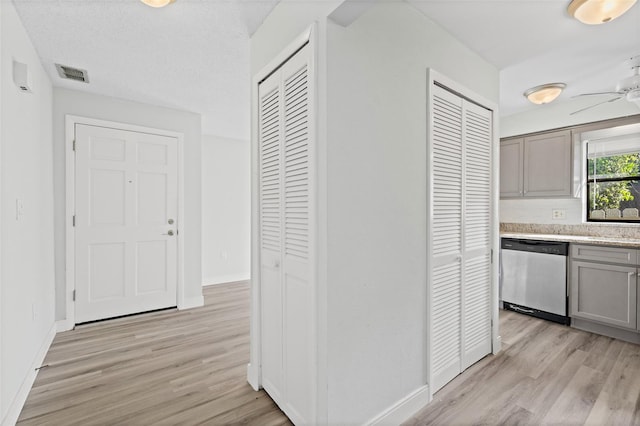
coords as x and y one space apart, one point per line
460 231
286 224
271 217
446 237
476 309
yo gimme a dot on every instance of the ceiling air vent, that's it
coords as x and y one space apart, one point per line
71 73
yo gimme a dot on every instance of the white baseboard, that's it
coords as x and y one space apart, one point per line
191 302
16 405
224 279
497 345
64 325
404 409
253 377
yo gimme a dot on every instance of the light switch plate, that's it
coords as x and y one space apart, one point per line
558 214
19 208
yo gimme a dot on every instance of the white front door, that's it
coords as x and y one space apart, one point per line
126 192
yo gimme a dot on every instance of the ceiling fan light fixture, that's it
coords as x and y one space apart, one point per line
545 93
595 12
157 3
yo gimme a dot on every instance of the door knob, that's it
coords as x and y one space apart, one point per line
170 233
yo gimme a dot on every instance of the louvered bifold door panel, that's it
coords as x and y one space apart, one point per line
297 210
445 235
270 187
478 136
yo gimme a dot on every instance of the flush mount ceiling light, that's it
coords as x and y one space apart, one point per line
594 12
545 93
157 3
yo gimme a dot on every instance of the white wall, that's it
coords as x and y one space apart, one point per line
546 117
226 210
371 96
377 224
557 115
118 110
27 260
286 22
540 211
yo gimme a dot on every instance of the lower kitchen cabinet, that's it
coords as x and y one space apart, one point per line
604 293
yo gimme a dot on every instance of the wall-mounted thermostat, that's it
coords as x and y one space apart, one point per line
21 76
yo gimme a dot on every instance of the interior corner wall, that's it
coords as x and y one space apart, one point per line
72 102
226 210
27 300
285 22
377 220
547 117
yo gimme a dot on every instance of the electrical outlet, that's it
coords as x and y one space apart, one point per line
558 214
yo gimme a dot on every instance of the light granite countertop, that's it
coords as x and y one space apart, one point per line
593 240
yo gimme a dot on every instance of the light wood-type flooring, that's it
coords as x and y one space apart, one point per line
189 367
546 374
169 367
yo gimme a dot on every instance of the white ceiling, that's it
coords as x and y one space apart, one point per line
533 42
194 54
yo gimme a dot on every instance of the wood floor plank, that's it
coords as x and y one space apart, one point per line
546 374
168 367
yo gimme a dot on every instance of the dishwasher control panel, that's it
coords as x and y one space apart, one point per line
534 246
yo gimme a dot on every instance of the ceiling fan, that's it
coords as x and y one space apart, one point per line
628 88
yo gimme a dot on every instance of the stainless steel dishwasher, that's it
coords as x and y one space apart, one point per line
533 278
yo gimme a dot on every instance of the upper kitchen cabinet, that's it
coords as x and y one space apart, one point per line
536 166
511 176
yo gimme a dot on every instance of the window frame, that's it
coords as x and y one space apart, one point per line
599 134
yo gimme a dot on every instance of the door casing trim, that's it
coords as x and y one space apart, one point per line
70 170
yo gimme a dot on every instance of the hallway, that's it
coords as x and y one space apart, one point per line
165 367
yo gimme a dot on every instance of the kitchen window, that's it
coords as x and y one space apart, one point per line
613 179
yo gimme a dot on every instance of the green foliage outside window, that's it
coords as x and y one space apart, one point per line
611 194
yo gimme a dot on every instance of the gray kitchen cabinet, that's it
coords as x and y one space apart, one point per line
604 293
619 255
511 176
547 165
536 166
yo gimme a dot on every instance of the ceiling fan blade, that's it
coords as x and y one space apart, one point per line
595 105
598 93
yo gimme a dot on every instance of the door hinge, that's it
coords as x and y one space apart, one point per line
492 256
73 295
74 144
74 220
